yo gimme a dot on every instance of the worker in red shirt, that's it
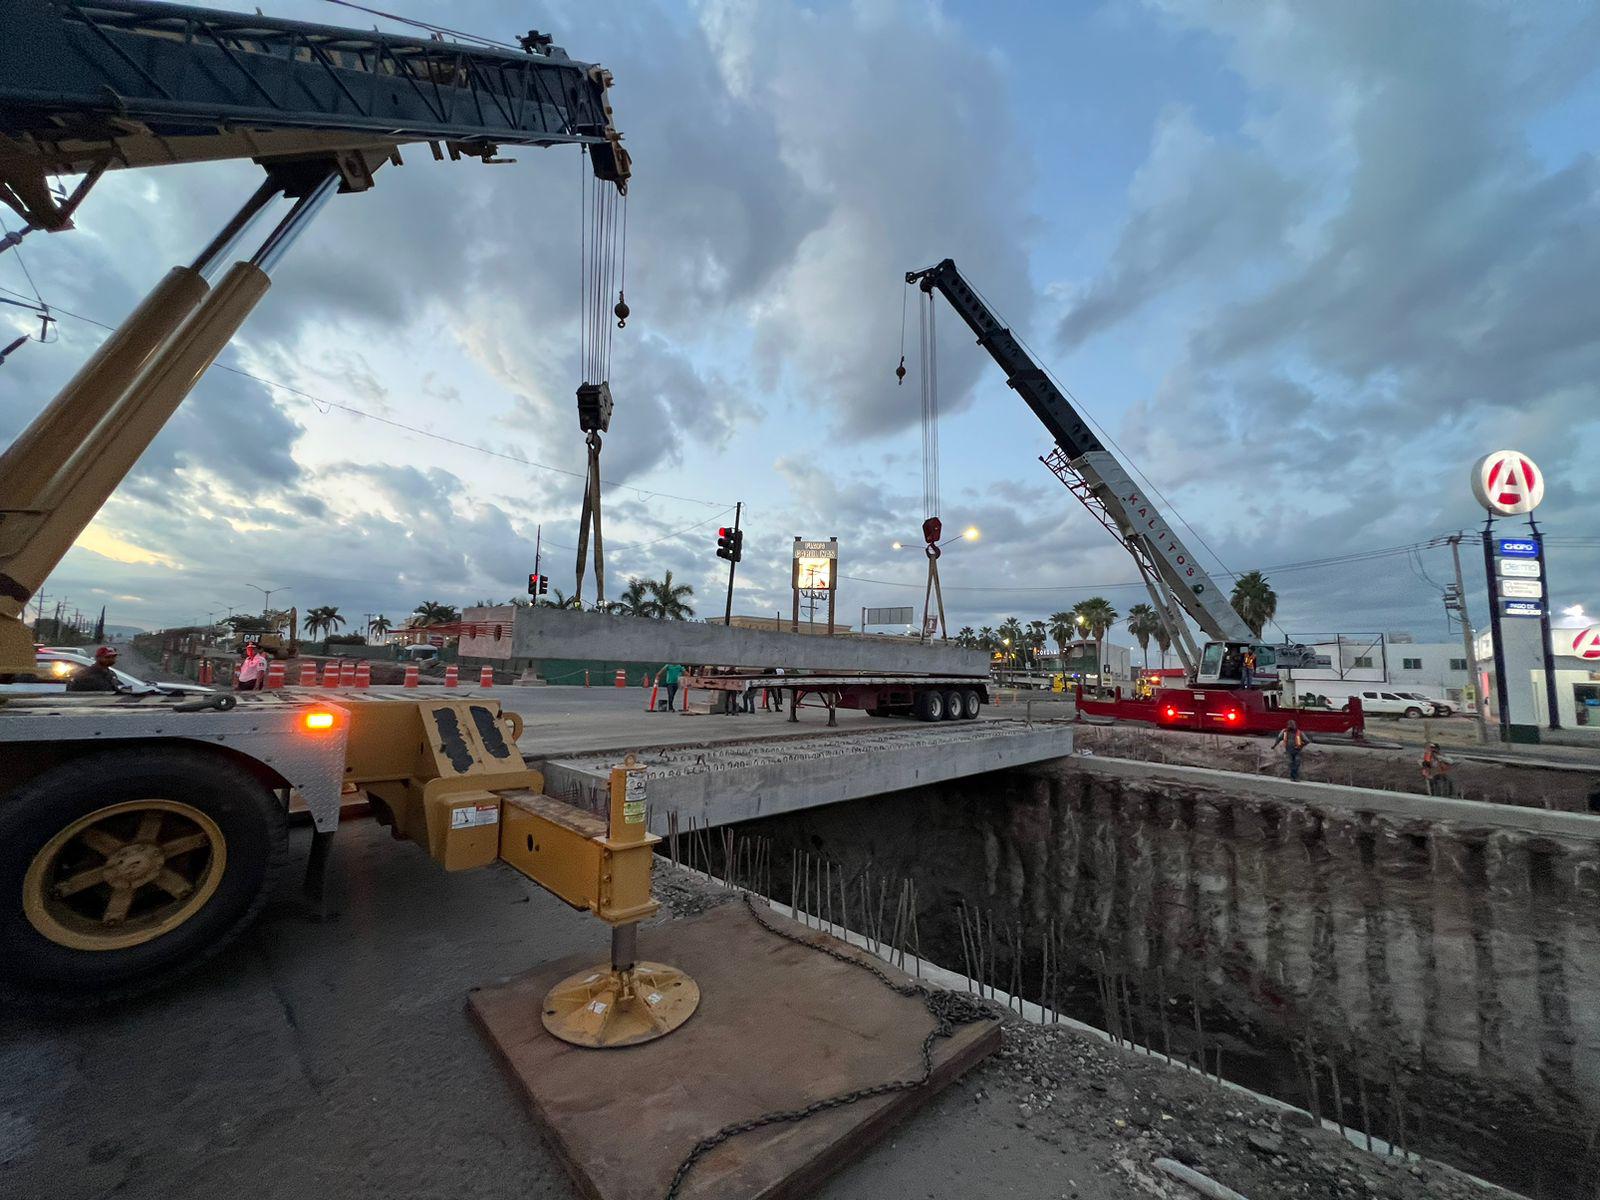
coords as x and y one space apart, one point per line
252 674
100 677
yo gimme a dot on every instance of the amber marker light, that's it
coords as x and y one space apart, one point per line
319 719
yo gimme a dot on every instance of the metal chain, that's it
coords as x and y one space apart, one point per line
948 1009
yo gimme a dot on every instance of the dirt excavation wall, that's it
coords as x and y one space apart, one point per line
1329 762
1431 967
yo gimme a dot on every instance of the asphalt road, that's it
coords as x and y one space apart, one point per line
337 1060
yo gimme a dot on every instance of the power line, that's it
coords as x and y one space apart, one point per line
323 405
653 541
1302 565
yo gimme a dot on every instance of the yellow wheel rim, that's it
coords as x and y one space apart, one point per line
124 875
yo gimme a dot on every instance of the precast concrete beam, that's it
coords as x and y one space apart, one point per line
567 633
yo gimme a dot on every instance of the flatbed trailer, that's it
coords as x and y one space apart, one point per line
925 697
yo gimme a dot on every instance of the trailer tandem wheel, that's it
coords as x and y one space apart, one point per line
124 869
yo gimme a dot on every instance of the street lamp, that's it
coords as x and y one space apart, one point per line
266 593
971 533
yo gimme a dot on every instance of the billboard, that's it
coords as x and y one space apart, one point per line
891 616
815 565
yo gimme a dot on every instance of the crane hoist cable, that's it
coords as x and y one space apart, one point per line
603 247
928 384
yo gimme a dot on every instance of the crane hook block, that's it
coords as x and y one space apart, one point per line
622 311
900 371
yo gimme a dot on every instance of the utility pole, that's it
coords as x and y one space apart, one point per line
1459 603
733 563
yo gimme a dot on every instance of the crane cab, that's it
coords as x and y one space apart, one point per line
1222 665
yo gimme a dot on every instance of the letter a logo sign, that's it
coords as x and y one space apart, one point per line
1586 643
1507 483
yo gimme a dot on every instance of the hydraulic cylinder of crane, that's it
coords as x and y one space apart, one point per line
87 480
31 462
36 541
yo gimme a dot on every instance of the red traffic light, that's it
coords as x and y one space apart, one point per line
722 532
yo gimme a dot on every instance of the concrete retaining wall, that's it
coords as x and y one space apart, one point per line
567 634
1452 948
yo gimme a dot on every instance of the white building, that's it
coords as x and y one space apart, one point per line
1437 669
1577 677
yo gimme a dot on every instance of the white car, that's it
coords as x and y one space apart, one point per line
1441 708
1393 704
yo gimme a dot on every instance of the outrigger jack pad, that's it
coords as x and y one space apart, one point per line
602 1007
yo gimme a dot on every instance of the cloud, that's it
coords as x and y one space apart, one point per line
1199 207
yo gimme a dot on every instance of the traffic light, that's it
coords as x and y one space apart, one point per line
730 543
538 585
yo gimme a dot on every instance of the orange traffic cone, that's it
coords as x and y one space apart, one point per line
486 677
622 677
363 674
650 704
412 674
452 676
275 673
308 674
347 672
203 676
330 674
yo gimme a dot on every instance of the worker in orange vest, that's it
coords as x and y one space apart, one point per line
1293 743
1436 772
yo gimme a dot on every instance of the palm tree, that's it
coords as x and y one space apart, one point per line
1011 633
431 612
380 625
1063 626
966 637
668 599
635 601
988 639
1098 618
562 600
1163 641
1142 624
324 619
1254 600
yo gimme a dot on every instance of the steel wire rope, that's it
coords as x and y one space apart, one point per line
430 27
323 406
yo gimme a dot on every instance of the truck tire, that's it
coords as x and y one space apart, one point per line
930 705
1413 713
121 871
952 705
971 702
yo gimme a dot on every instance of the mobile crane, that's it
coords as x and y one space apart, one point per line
139 835
1217 696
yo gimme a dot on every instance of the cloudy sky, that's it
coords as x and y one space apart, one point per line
1304 263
